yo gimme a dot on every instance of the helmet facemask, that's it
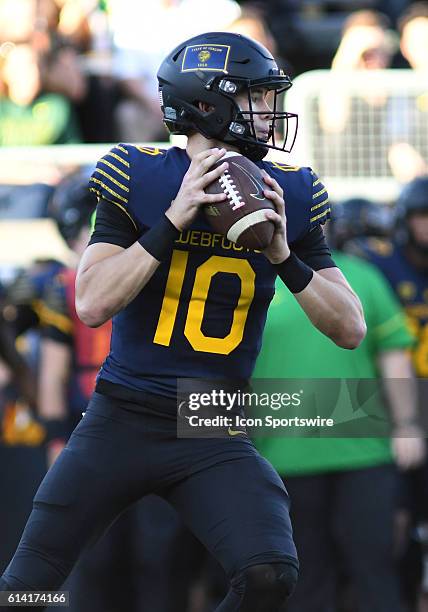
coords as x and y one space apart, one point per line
230 124
242 131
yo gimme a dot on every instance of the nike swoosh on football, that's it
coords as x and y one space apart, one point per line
258 195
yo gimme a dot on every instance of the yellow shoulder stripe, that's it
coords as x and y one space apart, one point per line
285 168
149 151
122 161
320 204
115 168
112 179
317 182
122 149
318 193
323 214
113 193
48 316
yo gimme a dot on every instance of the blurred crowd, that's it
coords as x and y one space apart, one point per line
84 71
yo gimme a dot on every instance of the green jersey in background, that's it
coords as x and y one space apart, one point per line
294 348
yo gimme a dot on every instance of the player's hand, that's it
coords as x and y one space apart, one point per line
278 250
191 195
408 446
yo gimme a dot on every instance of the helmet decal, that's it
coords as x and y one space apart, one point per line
205 57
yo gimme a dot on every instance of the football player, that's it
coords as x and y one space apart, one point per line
404 262
186 302
358 218
403 259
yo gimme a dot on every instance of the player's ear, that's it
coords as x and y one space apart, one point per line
205 107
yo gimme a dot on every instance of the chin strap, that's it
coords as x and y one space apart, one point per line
253 152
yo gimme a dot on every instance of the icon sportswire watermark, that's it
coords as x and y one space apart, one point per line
286 407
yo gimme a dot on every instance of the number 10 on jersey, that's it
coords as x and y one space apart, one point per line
195 314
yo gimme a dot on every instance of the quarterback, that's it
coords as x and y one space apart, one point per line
186 307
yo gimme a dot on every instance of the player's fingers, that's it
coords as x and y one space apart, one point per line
211 160
277 200
213 175
207 161
276 219
203 161
273 184
212 198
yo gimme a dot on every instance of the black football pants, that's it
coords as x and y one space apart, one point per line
231 498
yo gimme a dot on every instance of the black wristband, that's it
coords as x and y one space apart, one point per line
158 239
294 273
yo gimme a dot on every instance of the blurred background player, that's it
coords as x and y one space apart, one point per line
344 490
70 354
403 260
22 457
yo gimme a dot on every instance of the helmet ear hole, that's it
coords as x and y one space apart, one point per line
205 107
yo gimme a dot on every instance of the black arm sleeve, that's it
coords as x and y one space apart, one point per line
113 225
313 250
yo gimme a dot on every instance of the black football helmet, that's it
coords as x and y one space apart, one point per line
358 218
72 204
412 199
214 68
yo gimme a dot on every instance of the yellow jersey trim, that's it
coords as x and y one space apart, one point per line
149 151
122 149
115 168
286 168
113 180
323 214
319 205
318 193
113 193
123 161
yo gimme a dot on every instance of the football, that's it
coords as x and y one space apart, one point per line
241 217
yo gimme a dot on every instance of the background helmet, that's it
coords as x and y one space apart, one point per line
214 68
72 204
358 218
412 199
